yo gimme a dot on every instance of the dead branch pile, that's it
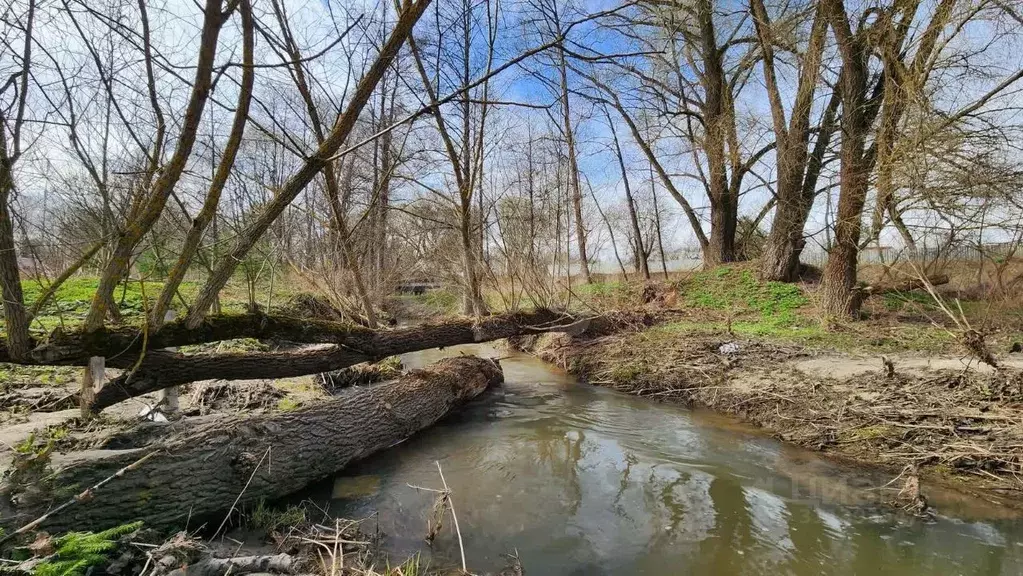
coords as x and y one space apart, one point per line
217 395
50 399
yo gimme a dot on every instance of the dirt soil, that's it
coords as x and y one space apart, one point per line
943 418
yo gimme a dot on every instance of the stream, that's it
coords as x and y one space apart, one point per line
581 480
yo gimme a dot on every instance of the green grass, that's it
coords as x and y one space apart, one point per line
69 305
609 295
738 290
438 302
602 289
288 405
896 301
271 519
806 332
442 300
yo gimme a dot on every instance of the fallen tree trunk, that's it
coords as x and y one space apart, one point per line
201 471
125 344
906 285
162 369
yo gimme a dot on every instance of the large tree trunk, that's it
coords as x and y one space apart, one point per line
204 468
161 369
780 260
796 175
15 318
840 271
724 205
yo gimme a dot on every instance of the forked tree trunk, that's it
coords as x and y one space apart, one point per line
201 470
724 204
840 271
797 171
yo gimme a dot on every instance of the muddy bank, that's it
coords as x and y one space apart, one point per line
942 418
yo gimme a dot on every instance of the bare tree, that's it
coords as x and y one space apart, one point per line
12 123
797 170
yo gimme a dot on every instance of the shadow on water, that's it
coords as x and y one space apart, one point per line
583 480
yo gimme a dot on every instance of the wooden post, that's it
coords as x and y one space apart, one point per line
92 380
167 399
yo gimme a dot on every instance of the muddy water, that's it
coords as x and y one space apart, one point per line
584 480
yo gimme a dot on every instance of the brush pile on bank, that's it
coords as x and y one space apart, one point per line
964 425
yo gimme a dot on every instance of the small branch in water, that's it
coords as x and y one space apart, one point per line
451 505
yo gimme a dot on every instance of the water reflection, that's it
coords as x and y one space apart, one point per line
581 480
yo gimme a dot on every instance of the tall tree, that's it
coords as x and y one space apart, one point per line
797 170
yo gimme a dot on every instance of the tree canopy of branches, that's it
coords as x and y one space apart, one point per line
503 147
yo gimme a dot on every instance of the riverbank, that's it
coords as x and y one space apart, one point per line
940 417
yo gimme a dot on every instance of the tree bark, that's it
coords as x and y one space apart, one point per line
15 317
123 345
724 201
785 243
840 271
573 169
206 467
780 260
161 369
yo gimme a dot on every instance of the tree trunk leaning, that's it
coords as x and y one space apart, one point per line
201 471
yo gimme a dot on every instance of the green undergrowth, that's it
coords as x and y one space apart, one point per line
271 519
439 302
17 376
804 331
737 290
68 307
76 553
609 295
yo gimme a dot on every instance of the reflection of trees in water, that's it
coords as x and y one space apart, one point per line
732 530
623 484
561 450
659 497
810 541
